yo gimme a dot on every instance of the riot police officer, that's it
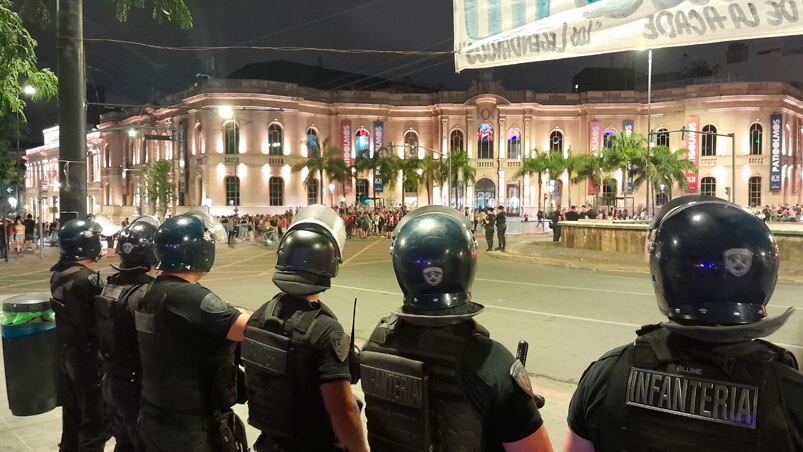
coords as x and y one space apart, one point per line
74 286
296 353
187 338
114 312
433 379
703 380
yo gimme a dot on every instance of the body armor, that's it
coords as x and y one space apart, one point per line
74 314
280 375
114 314
413 392
668 393
182 372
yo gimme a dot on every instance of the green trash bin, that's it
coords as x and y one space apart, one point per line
30 354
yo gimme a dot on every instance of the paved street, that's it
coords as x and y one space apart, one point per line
569 317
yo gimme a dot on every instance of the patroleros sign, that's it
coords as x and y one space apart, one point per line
490 33
345 133
776 141
594 144
692 144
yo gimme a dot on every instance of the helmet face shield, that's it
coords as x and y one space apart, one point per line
212 224
318 216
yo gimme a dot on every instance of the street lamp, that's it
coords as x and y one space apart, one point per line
225 112
29 90
332 193
132 133
12 201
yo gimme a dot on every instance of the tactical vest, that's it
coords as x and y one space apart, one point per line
414 397
74 315
284 400
114 316
670 393
178 375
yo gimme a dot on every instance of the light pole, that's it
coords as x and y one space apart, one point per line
649 118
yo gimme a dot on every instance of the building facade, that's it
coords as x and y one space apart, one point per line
234 143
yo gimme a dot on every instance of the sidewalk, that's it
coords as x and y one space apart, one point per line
542 250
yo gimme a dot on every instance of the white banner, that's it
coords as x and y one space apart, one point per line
490 33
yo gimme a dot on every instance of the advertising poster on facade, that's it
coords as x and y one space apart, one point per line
489 33
776 142
594 145
628 127
692 145
379 141
345 133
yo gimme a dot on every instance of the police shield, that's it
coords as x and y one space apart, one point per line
213 226
318 217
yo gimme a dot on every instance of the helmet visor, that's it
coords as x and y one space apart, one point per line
320 215
211 223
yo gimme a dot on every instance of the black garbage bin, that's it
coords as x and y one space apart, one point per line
30 354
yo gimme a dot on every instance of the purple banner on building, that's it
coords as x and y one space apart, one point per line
379 135
776 143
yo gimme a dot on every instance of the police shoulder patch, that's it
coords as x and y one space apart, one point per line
519 374
212 304
340 343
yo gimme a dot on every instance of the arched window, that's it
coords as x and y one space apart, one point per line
756 140
608 137
485 141
276 191
361 188
661 198
514 144
609 191
232 190
662 137
198 140
107 156
275 141
456 142
312 191
709 142
313 145
362 146
231 138
410 145
708 186
754 191
556 141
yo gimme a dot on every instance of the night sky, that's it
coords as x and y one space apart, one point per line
137 75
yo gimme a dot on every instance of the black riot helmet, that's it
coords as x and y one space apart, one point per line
80 240
135 244
712 262
434 257
310 252
186 243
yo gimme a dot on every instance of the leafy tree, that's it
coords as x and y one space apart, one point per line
662 166
410 178
160 186
9 173
318 163
587 167
551 163
18 63
432 173
626 150
384 164
462 171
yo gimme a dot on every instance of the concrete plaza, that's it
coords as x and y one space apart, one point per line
569 316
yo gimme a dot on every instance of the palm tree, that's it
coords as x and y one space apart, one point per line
587 167
432 173
462 170
384 163
548 162
410 178
663 167
626 150
319 163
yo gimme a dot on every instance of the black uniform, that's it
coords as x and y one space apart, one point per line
114 311
85 421
454 389
488 224
501 229
189 378
669 392
291 348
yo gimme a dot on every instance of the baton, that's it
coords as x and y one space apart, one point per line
521 355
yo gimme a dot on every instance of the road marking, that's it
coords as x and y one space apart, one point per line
360 252
557 286
243 260
541 313
383 261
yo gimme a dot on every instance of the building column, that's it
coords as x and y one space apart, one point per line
502 149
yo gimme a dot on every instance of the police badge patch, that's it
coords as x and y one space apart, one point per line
738 261
213 305
340 343
126 248
521 377
433 275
